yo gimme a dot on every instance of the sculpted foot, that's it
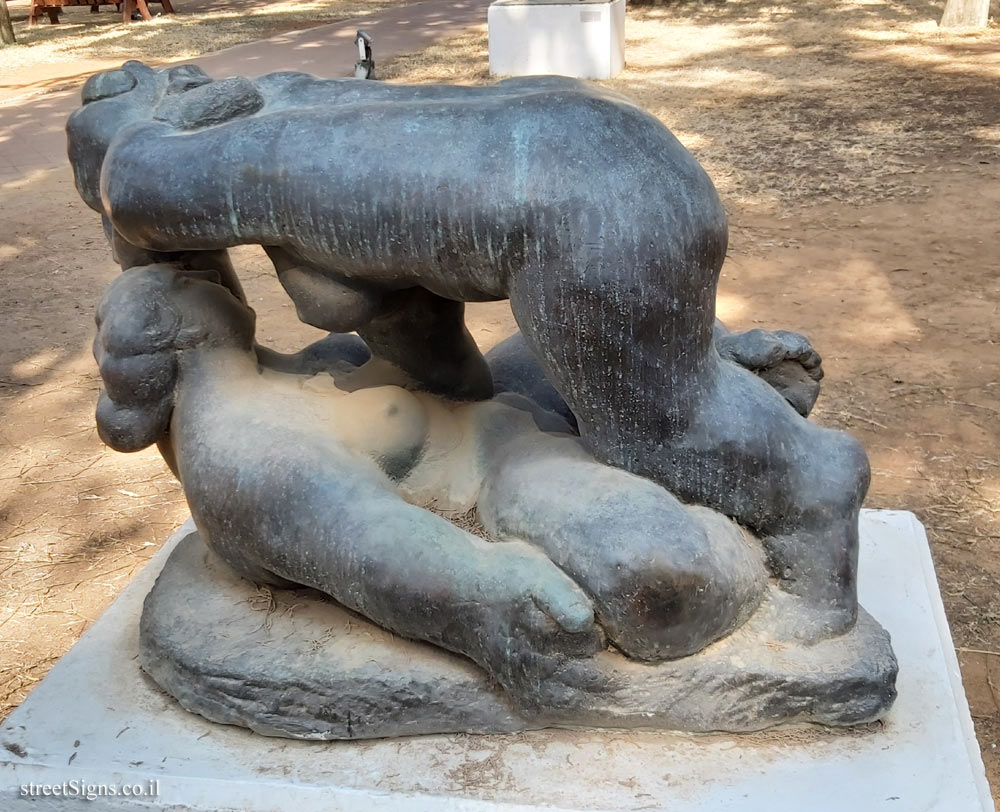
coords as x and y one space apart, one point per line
784 360
793 619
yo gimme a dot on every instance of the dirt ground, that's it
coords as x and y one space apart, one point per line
48 57
858 152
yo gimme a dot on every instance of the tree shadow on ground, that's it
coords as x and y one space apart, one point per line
198 27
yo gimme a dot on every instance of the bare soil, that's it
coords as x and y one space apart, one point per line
47 56
858 151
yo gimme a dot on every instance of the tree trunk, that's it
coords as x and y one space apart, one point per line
962 13
6 29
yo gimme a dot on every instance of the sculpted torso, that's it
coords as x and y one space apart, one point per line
446 188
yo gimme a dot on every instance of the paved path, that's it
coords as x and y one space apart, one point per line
31 130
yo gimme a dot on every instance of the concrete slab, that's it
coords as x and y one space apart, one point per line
581 39
98 722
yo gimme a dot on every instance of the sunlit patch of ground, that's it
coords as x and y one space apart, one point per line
841 100
197 28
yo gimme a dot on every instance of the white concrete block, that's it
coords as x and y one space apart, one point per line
585 39
95 719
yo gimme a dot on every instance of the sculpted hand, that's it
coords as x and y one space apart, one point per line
536 631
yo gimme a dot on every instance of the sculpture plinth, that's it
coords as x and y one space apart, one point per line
301 666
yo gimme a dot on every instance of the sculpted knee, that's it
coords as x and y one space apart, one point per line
840 478
668 598
325 303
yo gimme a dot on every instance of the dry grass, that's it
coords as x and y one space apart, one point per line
199 27
849 100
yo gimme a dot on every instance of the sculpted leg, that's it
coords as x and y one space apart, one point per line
420 333
800 486
660 402
666 579
321 300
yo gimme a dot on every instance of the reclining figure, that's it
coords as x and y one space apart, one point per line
322 480
384 208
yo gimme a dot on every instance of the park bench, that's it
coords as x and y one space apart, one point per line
52 8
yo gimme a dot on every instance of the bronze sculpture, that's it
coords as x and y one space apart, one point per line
618 450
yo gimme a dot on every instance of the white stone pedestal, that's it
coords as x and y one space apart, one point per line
97 720
585 39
